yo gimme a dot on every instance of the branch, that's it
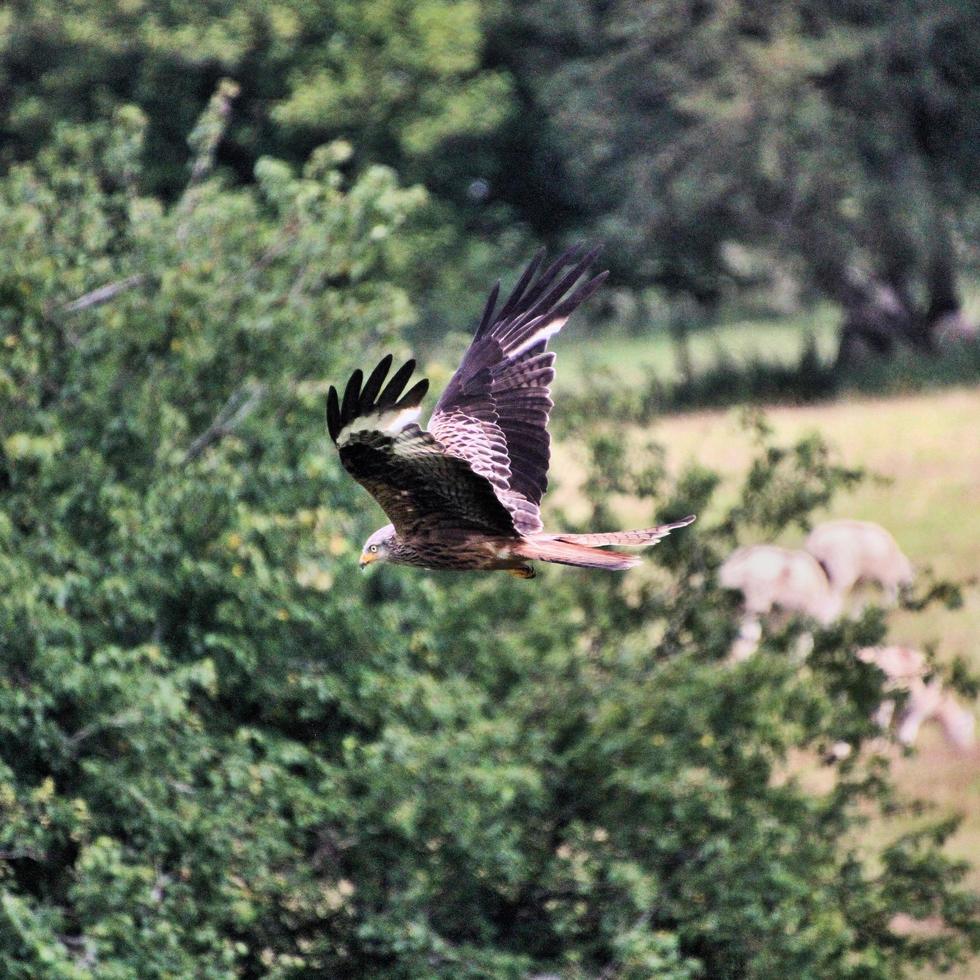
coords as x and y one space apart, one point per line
19 853
239 406
208 132
121 720
210 129
103 294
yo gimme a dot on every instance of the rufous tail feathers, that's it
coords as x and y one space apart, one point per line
548 548
583 549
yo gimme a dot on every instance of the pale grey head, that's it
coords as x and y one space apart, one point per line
379 546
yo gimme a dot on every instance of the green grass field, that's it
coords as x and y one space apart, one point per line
635 359
926 446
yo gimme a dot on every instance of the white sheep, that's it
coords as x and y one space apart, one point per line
932 702
905 669
859 551
771 577
899 664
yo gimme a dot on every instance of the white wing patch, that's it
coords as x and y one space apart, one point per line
412 446
390 423
543 332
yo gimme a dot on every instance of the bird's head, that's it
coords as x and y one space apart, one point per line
378 546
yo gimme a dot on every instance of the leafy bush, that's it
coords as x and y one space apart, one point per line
400 77
223 753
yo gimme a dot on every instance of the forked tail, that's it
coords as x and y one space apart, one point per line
583 549
641 538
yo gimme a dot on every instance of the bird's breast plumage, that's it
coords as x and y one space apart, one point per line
459 549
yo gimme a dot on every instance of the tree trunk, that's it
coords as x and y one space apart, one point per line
887 316
874 325
912 301
944 297
944 320
686 313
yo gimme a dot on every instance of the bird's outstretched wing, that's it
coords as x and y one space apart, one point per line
419 484
494 411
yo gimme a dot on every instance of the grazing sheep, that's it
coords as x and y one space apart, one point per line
769 576
747 641
859 551
905 669
958 722
932 702
897 663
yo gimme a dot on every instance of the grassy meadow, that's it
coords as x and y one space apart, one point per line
926 448
634 359
923 450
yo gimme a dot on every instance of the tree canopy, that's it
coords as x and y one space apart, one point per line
710 143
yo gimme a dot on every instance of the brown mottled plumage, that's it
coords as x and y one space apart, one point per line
466 494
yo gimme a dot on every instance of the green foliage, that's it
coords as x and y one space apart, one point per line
224 753
400 77
394 82
402 73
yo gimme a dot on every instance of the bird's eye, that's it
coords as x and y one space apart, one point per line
373 548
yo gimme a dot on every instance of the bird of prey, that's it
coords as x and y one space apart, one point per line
465 494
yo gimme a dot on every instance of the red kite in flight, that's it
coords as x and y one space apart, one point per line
465 494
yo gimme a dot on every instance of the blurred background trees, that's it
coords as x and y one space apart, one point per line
225 754
716 146
723 151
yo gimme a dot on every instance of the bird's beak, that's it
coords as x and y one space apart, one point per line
366 559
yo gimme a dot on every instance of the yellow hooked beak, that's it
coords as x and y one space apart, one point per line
366 558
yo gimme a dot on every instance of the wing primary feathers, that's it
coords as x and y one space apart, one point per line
348 409
562 286
530 297
547 277
518 291
550 307
359 402
390 395
414 395
487 317
333 413
581 295
375 381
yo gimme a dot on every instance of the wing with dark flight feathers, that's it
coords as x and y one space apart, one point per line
419 484
494 411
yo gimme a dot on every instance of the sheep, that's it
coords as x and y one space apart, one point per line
905 669
859 551
748 639
768 577
932 702
897 663
954 328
